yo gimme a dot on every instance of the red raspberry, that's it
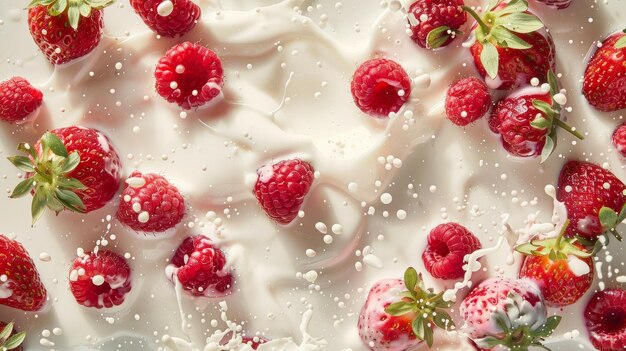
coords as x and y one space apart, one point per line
18 100
619 139
605 317
467 100
100 279
254 344
379 87
558 4
150 203
190 75
448 244
439 13
199 267
281 188
182 18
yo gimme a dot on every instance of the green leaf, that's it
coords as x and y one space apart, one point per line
526 248
70 200
548 147
488 343
520 22
15 341
608 217
437 37
55 144
418 327
428 334
70 163
85 9
544 107
492 5
489 58
506 38
23 188
27 148
513 7
399 308
410 279
553 82
38 205
6 331
501 323
70 184
57 8
22 163
443 320
541 123
73 16
621 43
548 327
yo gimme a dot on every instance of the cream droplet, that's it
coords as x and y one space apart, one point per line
97 280
165 8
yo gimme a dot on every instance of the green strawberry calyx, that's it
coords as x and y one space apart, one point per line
550 119
75 8
428 307
47 176
621 42
610 219
499 26
8 341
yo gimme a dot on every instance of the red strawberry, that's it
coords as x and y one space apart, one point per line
200 267
66 30
562 269
379 87
100 280
78 170
619 139
605 76
467 100
19 101
150 203
514 49
400 315
10 339
20 284
605 317
434 23
281 188
506 312
190 75
594 198
527 121
557 4
448 243
170 18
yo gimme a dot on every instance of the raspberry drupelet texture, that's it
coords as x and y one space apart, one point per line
380 86
619 139
150 203
189 75
18 100
182 16
467 100
605 317
427 15
448 244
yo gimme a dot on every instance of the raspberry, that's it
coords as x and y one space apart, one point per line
150 203
448 244
379 87
605 317
467 100
190 75
254 342
281 188
199 267
100 279
18 100
182 18
619 139
438 13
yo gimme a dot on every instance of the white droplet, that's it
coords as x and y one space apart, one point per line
386 198
165 8
136 182
97 280
143 217
310 276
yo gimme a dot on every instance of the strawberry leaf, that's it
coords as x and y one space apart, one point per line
548 327
428 334
23 188
70 200
6 332
489 58
22 163
540 123
418 327
14 341
506 38
399 308
443 320
526 248
54 144
73 16
553 82
521 22
410 279
608 217
514 6
544 107
38 204
548 147
85 10
621 43
57 8
437 37
25 147
70 163
492 5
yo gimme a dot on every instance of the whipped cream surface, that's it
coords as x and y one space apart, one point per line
380 186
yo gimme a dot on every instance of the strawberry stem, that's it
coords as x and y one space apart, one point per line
568 128
561 234
479 20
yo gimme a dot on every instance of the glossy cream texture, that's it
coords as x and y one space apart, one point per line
380 185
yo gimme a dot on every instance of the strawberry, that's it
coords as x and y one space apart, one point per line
200 267
400 315
100 279
10 339
605 76
557 4
467 100
594 198
507 314
189 75
150 203
435 23
562 268
19 101
605 317
448 243
380 87
72 168
509 49
66 30
619 139
281 187
528 120
20 284
170 18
